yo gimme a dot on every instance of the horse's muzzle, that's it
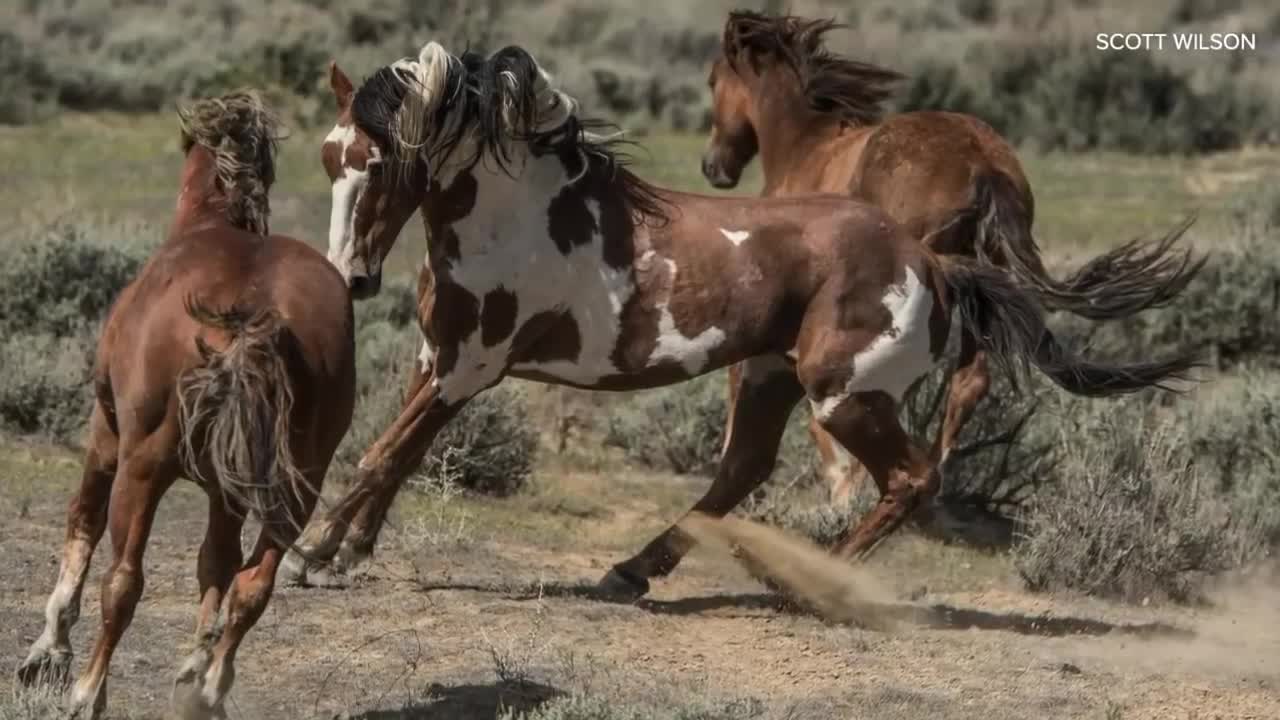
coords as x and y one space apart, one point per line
714 171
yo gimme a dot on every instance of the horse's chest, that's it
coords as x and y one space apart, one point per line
539 312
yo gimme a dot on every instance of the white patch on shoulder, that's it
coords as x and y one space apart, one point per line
897 357
737 237
690 352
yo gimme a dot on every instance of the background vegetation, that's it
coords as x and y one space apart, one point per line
1029 67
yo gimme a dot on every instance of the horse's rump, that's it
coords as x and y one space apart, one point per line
235 410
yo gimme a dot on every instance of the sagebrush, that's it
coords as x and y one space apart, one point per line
59 284
645 65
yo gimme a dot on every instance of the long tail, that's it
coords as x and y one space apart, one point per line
235 411
1008 323
1136 276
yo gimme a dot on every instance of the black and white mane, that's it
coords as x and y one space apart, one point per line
427 109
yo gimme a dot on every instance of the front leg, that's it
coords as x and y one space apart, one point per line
352 525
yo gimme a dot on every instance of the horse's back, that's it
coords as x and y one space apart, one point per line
921 166
150 337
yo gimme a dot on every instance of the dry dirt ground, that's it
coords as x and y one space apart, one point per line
485 604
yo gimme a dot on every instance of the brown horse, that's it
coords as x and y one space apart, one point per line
816 121
548 260
229 360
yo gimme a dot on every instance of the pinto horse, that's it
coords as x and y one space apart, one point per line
548 260
230 360
816 121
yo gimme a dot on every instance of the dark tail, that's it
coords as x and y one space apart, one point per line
1008 323
1136 276
235 411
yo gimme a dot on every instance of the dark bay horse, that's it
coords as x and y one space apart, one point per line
229 360
548 260
816 121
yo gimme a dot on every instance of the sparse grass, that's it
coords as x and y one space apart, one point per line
40 703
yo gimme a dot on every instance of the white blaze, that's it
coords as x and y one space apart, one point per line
346 192
737 237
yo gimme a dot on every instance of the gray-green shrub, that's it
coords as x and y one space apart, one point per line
643 66
1136 513
59 285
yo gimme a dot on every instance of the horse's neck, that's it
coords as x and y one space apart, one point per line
199 199
510 212
794 142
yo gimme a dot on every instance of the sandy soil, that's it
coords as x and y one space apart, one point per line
461 626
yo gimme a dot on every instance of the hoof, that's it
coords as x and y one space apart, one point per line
622 587
188 699
350 557
45 666
293 570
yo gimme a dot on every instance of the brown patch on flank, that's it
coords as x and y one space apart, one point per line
546 337
459 316
856 308
498 316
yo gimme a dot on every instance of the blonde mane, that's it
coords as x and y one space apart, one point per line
241 133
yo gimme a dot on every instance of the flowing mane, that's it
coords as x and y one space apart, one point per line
429 107
833 84
241 132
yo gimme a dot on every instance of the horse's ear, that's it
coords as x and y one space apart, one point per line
341 84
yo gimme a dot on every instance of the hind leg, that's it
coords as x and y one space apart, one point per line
201 688
768 391
205 679
219 560
50 656
867 424
843 475
969 384
146 472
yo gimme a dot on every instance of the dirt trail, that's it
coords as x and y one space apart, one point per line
428 643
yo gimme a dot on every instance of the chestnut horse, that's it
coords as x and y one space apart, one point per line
815 120
229 360
549 261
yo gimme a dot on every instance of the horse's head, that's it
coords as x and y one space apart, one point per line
773 79
374 188
733 136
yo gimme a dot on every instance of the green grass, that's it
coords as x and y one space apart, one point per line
127 166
